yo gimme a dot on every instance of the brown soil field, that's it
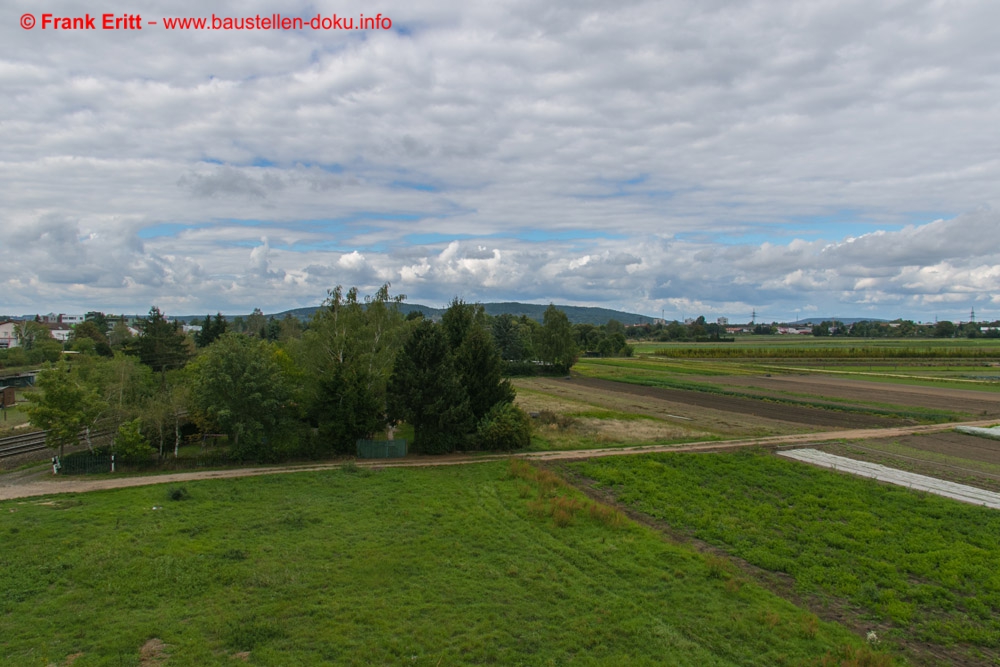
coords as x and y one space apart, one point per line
960 445
816 417
979 404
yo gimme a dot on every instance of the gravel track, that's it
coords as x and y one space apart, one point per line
27 485
940 487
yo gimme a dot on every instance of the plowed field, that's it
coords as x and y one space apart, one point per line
975 403
817 417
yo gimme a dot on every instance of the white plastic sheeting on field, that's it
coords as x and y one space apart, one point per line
968 494
992 432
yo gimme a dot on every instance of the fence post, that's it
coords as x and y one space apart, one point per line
112 463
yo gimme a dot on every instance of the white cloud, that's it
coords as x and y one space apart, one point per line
479 148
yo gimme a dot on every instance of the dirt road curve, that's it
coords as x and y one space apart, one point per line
14 486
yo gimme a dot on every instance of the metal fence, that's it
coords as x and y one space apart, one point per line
381 449
83 463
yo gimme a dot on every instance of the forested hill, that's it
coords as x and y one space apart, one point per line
576 314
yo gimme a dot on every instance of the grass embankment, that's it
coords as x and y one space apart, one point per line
645 375
924 564
489 563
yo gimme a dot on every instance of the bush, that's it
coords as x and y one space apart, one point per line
505 426
130 445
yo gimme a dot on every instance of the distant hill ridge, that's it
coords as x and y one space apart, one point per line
576 314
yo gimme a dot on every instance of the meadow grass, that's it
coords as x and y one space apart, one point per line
492 563
926 564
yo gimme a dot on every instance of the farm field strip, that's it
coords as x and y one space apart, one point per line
986 384
883 473
795 412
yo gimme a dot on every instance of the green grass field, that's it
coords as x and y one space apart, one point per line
928 566
478 564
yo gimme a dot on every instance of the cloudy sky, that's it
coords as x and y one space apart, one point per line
687 157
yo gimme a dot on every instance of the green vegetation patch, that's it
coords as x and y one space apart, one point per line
927 564
488 563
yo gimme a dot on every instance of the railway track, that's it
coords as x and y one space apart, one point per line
22 444
35 441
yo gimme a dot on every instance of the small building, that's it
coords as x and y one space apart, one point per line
58 330
8 334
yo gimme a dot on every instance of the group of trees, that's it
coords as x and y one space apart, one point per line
902 329
357 368
448 382
699 329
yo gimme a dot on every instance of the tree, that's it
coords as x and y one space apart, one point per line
513 337
30 332
256 324
459 319
211 329
480 370
944 329
161 344
239 386
120 337
64 408
88 329
165 410
557 346
822 329
291 328
99 320
351 346
425 391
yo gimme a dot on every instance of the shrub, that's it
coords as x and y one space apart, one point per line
505 426
130 445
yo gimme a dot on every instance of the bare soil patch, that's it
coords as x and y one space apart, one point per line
153 653
977 403
693 417
748 406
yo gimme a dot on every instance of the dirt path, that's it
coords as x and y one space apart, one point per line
43 484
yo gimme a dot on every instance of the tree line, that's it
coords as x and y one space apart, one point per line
279 390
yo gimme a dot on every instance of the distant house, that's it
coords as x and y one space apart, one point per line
61 318
8 334
58 330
